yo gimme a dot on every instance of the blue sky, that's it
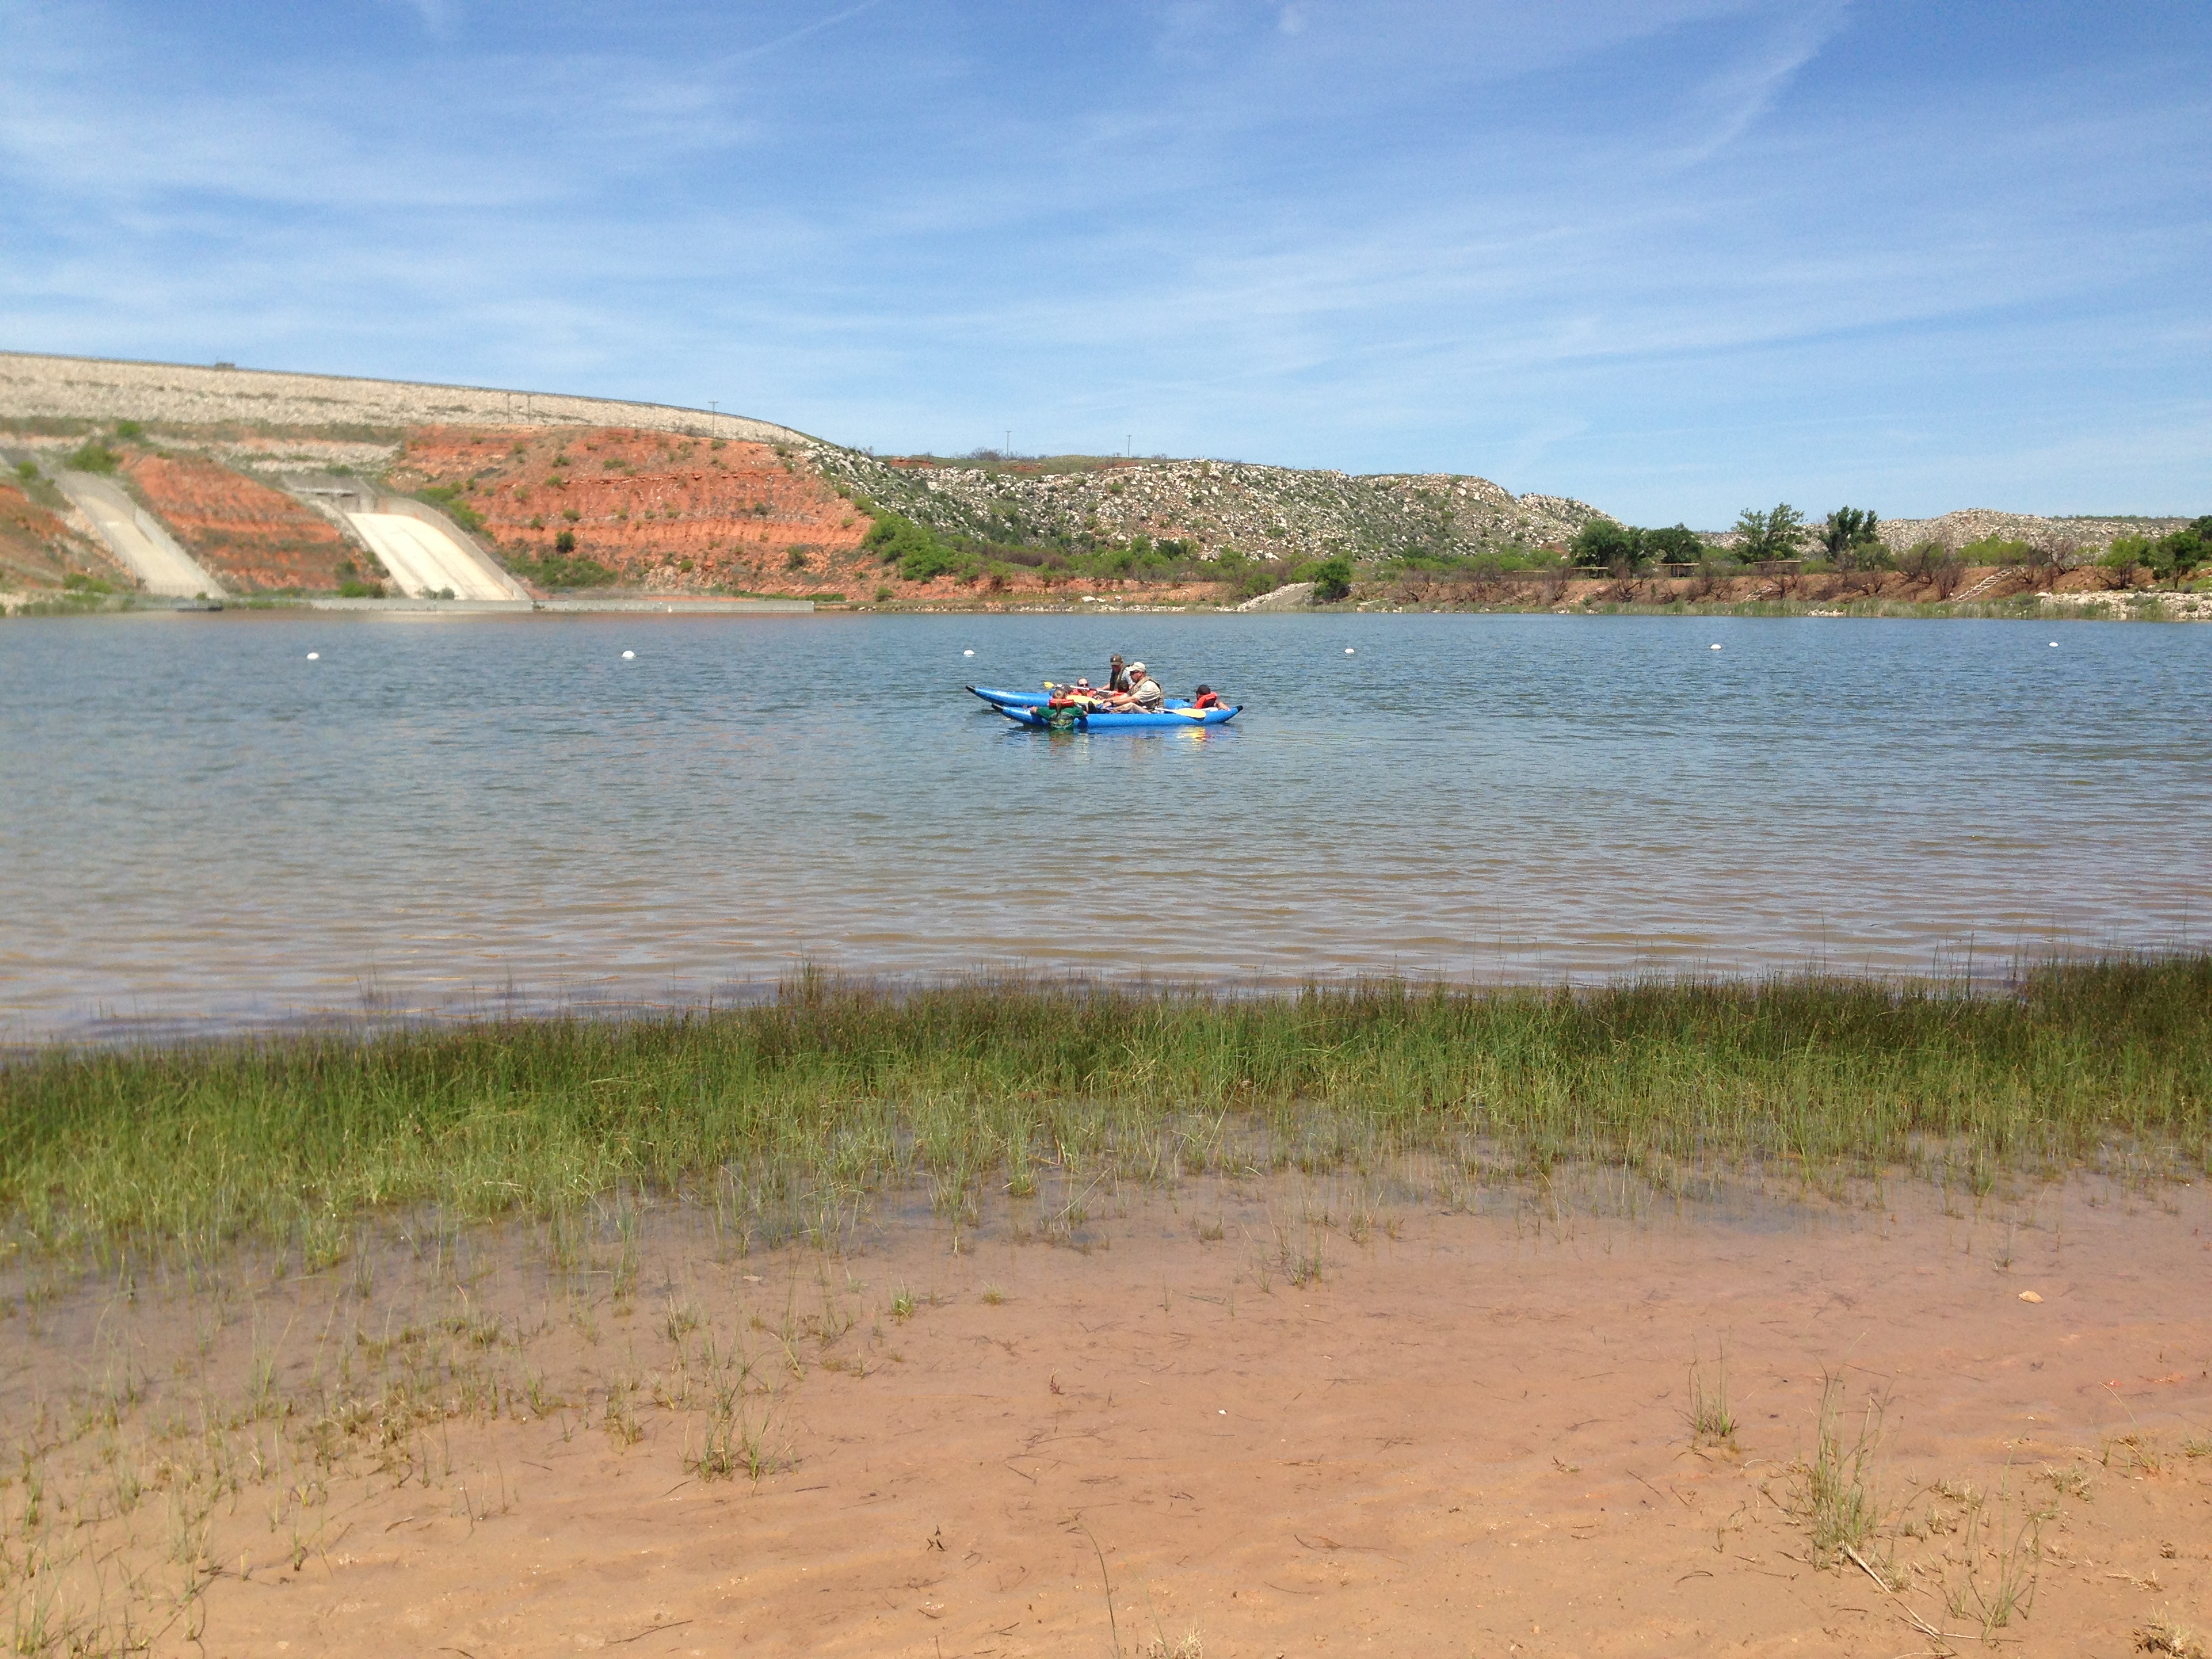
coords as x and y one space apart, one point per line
1674 257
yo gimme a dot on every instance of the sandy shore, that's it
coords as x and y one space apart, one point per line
1260 1419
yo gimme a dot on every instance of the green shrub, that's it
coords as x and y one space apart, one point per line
562 567
1994 549
1852 540
2178 554
1676 544
1608 545
1332 580
1773 535
1605 543
93 457
2126 552
916 549
129 430
447 498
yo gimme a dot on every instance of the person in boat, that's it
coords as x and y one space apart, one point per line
1144 694
1081 694
1205 697
1117 674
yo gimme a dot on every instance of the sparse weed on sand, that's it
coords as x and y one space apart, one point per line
2000 1552
2164 1635
1711 1417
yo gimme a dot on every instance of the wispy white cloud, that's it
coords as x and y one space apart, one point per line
1597 244
439 16
1742 91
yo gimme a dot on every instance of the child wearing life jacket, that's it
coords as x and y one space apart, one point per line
1206 698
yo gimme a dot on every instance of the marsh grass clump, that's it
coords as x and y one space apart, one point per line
1836 1487
740 1439
1711 1417
796 1112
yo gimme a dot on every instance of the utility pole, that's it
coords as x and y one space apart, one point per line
1010 442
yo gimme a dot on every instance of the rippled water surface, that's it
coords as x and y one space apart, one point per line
197 821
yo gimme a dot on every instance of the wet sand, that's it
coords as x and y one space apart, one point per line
1268 1419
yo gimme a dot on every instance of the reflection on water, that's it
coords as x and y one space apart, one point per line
197 821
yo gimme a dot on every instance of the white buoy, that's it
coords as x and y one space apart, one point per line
967 654
317 656
627 655
2054 645
1716 647
1348 651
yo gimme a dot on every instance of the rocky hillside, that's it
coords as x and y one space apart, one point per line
2080 535
652 508
1263 512
660 497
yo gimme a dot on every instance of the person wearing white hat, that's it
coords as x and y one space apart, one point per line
1143 692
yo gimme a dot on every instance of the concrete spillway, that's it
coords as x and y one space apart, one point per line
424 557
146 550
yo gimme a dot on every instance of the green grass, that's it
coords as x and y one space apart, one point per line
855 1090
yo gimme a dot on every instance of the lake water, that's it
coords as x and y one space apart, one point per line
199 825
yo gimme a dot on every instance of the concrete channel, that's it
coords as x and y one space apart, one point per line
427 555
146 549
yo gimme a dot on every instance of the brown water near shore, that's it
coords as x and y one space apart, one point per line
1265 1417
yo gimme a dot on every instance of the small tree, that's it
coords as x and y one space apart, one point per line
1764 536
1851 538
2125 553
2173 557
1606 544
1332 580
1675 544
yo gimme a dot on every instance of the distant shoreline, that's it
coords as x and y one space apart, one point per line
2142 605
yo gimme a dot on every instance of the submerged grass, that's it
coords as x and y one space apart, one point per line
848 1089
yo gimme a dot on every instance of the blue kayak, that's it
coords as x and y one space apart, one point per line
1134 720
1038 699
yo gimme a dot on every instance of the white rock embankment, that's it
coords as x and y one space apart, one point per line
1270 513
103 389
